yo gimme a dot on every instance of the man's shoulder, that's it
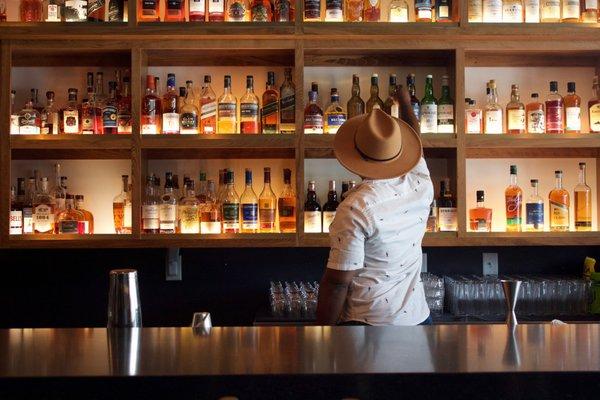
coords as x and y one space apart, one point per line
363 196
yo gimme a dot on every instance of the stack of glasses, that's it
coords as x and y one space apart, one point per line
434 292
294 300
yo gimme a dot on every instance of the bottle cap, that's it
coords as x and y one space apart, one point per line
480 196
534 182
534 95
571 87
554 86
513 169
207 78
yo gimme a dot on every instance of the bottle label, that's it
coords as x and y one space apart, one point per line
189 123
28 124
197 6
417 110
27 220
473 121
516 120
479 225
475 11
16 222
70 121
174 5
312 222
573 118
124 123
227 111
77 10
570 9
94 6
532 11
43 218
591 4
210 227
512 12
53 13
190 222
109 117
237 11
443 12
595 118
127 215
554 116
395 110
429 116
150 4
150 217
288 109
167 216
534 215
313 124
266 214
492 11
59 203
170 123
149 129
270 110
249 111
583 209
312 9
328 217
551 9
536 122
231 216
559 214
286 211
208 110
68 226
333 10
445 118
447 219
249 216
493 121
513 210
86 227
398 14
334 121
260 13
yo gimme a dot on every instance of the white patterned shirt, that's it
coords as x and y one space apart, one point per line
379 228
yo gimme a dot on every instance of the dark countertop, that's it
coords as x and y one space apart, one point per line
322 352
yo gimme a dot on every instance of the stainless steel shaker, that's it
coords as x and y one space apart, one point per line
124 309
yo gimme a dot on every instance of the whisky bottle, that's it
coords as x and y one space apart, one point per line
58 192
536 119
167 209
267 205
330 207
151 109
594 107
249 206
559 206
286 204
513 197
175 11
344 190
202 188
445 112
148 10
515 112
480 217
150 205
475 11
550 11
70 114
313 115
208 108
197 10
443 9
91 115
170 116
210 212
534 210
30 121
554 110
492 115
374 101
532 11
492 10
230 206
429 108
43 209
287 104
227 109
188 115
512 11
412 91
116 10
334 11
96 10
583 202
312 211
269 113
571 10
398 11
70 220
189 209
49 116
15 224
88 217
249 106
335 115
391 105
216 10
237 10
423 11
356 106
473 117
53 11
28 206
372 11
572 110
447 217
589 11
124 109
109 112
122 208
354 10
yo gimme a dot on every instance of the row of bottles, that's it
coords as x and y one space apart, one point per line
71 11
371 11
533 11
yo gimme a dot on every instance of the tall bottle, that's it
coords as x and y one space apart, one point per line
594 107
429 108
480 217
534 210
335 115
583 202
249 206
43 209
372 11
170 116
28 210
70 119
445 114
513 196
355 106
49 116
167 209
249 109
374 101
330 207
559 205
269 113
189 210
227 109
423 11
122 208
208 108
210 212
572 110
312 211
536 120
15 225
492 114
267 205
412 91
515 113
91 114
124 109
230 206
492 10
286 204
555 109
57 192
109 111
391 105
287 104
447 215
313 115
151 123
150 205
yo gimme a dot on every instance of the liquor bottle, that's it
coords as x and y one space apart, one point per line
559 206
167 209
151 109
116 10
198 10
43 209
583 202
594 107
150 207
571 11
230 206
15 224
480 217
313 115
475 11
30 121
175 11
589 11
572 110
208 108
312 211
398 11
447 218
221 188
515 112
429 108
181 99
30 10
88 217
269 113
532 11
267 205
335 115
334 11
512 11
412 91
75 10
249 206
109 111
286 204
170 116
284 11
52 11
124 109
536 119
91 114
423 11
492 115
513 196
96 11
49 116
534 210
330 207
372 11
287 104
188 115
391 105
210 213
492 10
36 104
227 110
445 112
148 10
189 208
249 106
70 115
70 220
122 208
356 105
354 10
28 206
374 101
550 11
443 9
238 10
216 10
554 110
473 118
344 190
58 193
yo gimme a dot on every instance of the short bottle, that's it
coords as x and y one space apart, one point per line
536 118
249 206
447 215
550 11
189 210
230 206
49 116
30 122
443 11
312 10
583 202
480 217
534 209
313 115
88 217
210 211
312 211
532 11
555 109
515 113
330 207
334 11
492 11
571 10
175 10
286 204
513 198
53 11
473 118
423 11
267 205
70 220
572 110
559 205
429 108
335 115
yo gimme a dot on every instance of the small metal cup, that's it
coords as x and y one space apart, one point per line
201 323
124 309
511 293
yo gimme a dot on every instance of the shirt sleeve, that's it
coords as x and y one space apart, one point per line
347 235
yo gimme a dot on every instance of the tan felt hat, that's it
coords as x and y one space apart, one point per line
377 146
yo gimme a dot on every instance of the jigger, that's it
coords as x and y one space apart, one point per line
124 309
511 293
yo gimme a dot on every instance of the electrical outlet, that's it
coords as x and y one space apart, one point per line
490 263
173 265
424 263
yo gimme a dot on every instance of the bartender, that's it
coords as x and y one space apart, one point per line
373 272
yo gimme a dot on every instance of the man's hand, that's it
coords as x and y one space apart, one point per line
406 111
332 295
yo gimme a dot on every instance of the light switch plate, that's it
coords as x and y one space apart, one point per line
424 264
490 263
173 265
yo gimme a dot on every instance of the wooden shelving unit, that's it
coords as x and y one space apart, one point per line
139 46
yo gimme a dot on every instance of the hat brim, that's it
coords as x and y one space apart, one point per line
347 154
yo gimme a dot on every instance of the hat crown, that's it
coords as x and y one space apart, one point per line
378 137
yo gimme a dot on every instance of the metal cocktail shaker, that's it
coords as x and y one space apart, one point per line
124 309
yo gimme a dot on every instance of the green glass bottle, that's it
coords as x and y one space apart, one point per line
429 111
445 123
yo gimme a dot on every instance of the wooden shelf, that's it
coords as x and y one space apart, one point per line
437 239
533 146
531 239
71 241
381 28
37 147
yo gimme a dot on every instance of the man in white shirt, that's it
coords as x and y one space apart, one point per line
373 273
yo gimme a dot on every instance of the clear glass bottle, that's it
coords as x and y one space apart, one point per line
287 104
356 105
167 210
58 192
512 11
269 113
550 11
151 109
398 11
170 116
480 217
492 114
555 109
267 205
559 206
583 202
210 212
515 112
53 11
429 108
374 101
513 196
150 207
534 210
49 116
335 115
249 206
208 108
122 208
313 222
286 204
43 209
572 110
30 121
91 115
391 104
230 206
330 207
473 118
124 109
188 115
88 217
249 109
334 11
313 115
536 119
189 210
227 110
445 109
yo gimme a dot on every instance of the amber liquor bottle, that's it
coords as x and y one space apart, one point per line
286 204
269 113
287 104
594 107
480 217
515 113
572 110
583 202
513 196
559 206
356 105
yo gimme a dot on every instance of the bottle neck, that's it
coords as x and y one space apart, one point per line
480 204
513 179
69 204
535 190
445 91
374 89
559 182
582 176
428 88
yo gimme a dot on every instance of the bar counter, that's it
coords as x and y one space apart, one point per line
303 362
